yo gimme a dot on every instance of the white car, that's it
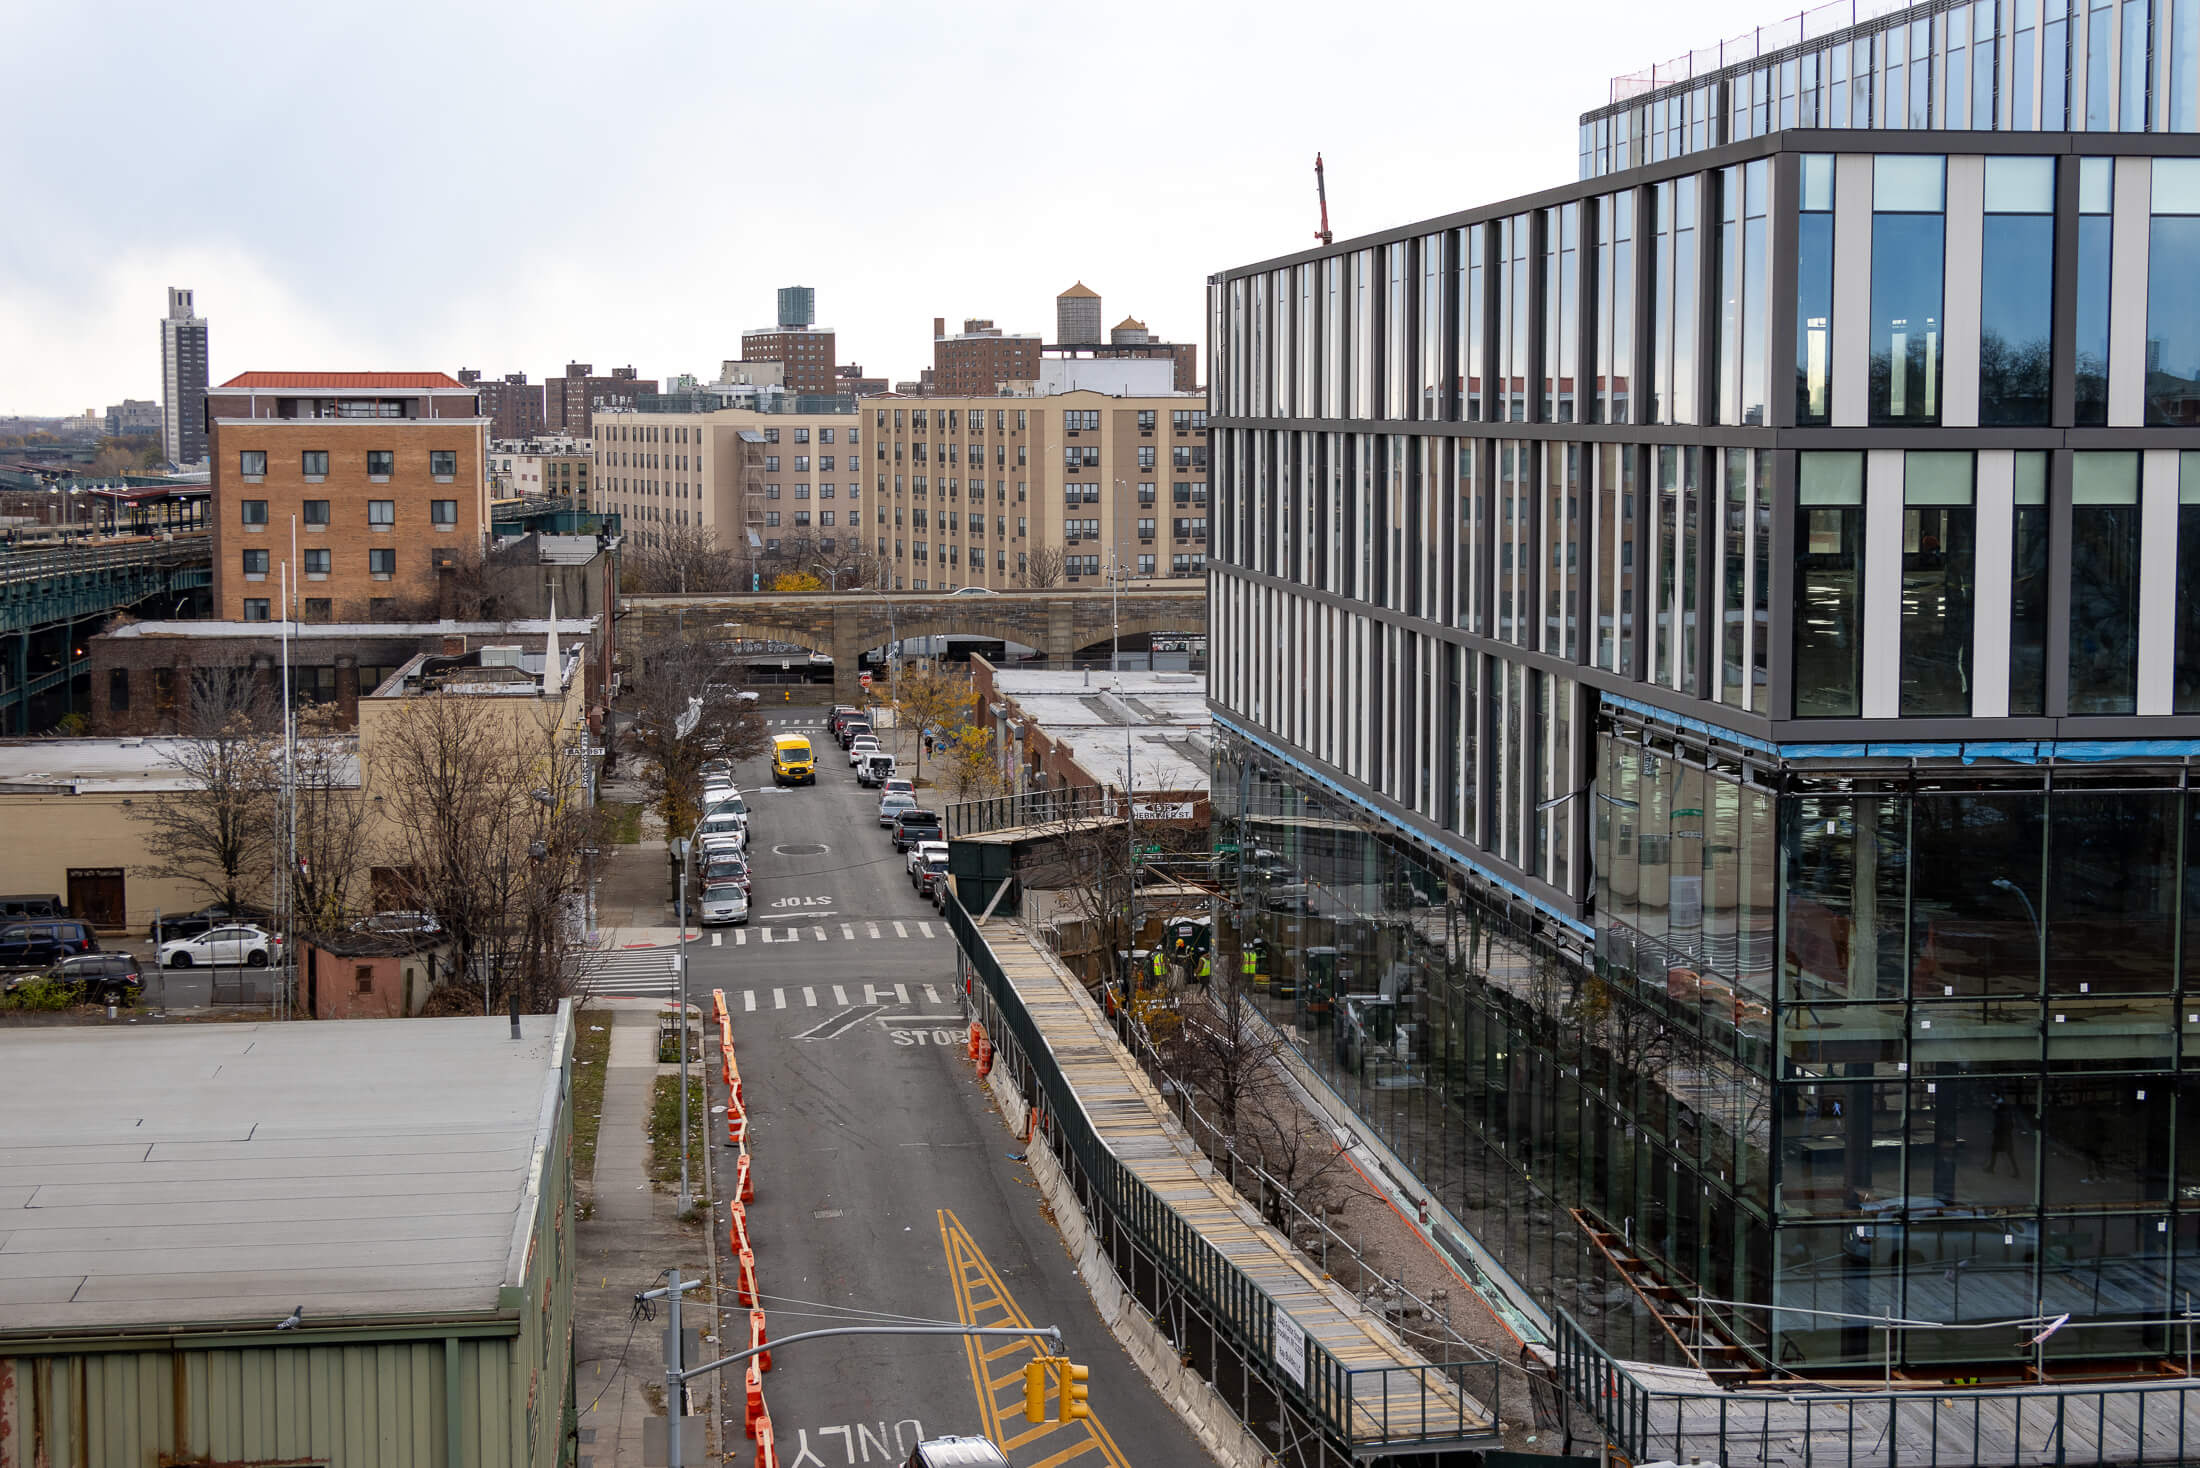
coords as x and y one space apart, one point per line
898 785
247 946
893 804
862 749
723 824
724 902
731 805
921 852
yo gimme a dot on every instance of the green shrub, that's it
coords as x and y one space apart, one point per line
43 994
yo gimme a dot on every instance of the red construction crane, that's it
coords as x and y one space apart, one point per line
1321 191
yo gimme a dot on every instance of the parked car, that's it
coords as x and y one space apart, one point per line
718 792
875 769
892 804
724 866
920 851
931 870
31 905
916 824
421 923
731 805
840 711
851 730
723 824
863 747
956 1452
188 924
724 902
974 591
44 943
100 978
250 947
898 785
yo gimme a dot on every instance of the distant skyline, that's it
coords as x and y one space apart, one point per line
383 196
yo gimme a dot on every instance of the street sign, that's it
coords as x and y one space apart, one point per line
864 679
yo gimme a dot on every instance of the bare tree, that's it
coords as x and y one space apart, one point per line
934 699
477 583
685 559
687 709
217 834
485 822
1042 568
333 823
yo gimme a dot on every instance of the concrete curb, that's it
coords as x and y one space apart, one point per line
1194 1400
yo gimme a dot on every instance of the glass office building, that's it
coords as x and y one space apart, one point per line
1706 664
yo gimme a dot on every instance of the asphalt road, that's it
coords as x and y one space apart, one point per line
885 1180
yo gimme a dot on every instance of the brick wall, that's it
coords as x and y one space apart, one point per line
352 590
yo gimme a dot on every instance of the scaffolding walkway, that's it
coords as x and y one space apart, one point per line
1312 1339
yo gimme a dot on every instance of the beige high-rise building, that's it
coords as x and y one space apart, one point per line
989 491
776 487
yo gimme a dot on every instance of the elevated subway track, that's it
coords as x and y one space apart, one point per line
50 599
843 625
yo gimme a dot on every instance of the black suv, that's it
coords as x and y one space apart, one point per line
98 978
44 943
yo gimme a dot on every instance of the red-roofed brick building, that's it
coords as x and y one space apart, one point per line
384 475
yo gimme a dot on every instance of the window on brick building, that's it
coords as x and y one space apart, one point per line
313 512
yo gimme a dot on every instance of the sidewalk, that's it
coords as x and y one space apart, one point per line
631 1234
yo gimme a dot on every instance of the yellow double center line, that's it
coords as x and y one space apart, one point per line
997 1374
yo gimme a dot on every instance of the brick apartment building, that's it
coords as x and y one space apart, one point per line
568 401
974 363
805 352
385 474
512 404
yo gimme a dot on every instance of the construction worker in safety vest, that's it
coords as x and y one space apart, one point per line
1202 973
1249 964
1160 962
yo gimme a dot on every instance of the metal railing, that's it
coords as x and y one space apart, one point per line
1359 1406
1808 25
1031 808
1941 1427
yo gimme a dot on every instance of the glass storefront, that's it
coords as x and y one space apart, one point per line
1910 1045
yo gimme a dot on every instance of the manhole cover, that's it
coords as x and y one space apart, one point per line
799 849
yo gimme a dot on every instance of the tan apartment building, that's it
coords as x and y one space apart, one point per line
540 466
767 483
383 474
969 491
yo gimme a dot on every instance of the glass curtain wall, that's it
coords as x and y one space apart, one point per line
1743 310
2096 237
2017 292
1615 321
1814 292
1615 556
1561 312
2186 693
1939 535
1473 318
2173 295
2028 588
1829 585
1908 265
2104 583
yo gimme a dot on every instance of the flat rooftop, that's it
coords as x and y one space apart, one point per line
118 766
1165 713
155 1177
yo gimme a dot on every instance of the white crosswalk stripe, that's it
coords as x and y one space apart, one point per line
633 972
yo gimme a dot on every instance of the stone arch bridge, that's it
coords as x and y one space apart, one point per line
842 625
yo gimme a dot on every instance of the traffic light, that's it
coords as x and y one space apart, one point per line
1074 1390
1035 1390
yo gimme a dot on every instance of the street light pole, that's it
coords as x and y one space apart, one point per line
687 1199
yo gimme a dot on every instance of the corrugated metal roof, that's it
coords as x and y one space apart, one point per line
344 380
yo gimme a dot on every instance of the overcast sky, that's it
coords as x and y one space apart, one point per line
507 186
